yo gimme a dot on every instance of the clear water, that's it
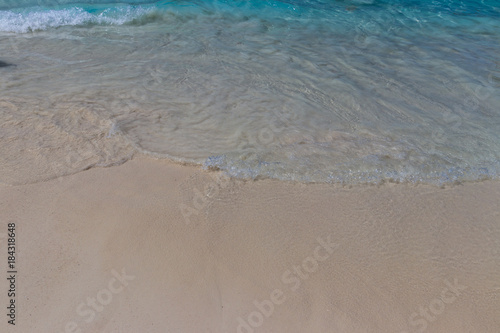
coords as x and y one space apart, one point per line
316 91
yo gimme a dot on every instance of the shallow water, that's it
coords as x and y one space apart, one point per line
314 91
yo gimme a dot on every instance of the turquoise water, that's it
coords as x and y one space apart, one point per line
316 91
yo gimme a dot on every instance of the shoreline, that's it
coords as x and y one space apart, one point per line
215 172
151 245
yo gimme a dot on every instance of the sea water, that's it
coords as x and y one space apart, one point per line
338 91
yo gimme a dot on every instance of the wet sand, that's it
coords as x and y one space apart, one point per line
151 246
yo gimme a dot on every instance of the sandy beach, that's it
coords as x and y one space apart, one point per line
151 246
289 166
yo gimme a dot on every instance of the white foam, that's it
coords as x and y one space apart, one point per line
36 19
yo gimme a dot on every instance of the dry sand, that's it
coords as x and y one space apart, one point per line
150 246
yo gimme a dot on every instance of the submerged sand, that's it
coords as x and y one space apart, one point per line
150 246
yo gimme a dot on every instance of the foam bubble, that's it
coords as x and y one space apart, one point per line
28 20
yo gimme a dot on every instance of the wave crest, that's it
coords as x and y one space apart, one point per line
29 20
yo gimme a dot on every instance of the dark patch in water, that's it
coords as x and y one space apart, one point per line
5 64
